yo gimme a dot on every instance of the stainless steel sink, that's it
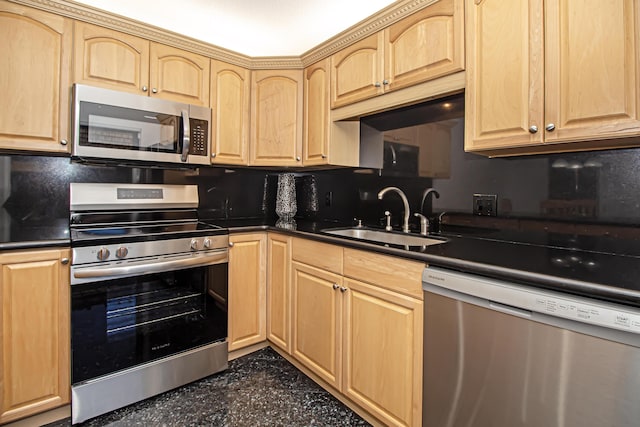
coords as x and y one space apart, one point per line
384 236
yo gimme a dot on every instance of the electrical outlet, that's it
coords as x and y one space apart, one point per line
485 204
328 198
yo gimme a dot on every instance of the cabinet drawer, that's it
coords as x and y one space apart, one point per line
321 255
392 273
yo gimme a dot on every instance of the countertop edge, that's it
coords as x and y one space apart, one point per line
34 244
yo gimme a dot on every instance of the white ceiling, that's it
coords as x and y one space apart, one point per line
250 27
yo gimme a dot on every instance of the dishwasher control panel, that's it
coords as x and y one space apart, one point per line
520 298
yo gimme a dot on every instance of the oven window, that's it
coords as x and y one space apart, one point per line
107 126
121 323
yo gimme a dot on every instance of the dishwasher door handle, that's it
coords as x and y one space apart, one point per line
508 309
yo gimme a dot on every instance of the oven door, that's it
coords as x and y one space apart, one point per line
115 125
121 323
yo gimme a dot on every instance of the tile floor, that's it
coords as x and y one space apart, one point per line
260 389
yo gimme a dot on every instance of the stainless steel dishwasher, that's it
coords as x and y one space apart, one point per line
499 354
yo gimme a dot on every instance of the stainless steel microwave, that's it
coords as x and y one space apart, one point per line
108 124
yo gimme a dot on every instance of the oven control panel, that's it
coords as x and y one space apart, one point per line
131 251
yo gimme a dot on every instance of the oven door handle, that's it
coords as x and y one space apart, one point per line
155 267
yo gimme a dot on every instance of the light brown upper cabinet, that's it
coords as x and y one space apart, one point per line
315 146
230 97
544 72
34 79
276 118
421 47
115 60
323 142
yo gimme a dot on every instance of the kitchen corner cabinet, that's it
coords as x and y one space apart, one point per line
35 78
230 98
35 359
119 61
278 290
543 72
316 136
425 45
357 324
276 118
247 290
321 146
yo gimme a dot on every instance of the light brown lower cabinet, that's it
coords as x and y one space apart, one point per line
317 321
35 362
278 276
362 334
247 290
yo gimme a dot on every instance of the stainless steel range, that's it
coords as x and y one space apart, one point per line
148 294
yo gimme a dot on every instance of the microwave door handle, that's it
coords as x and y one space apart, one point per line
186 135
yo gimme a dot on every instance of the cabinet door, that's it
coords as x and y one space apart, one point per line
35 342
504 71
383 353
425 45
179 75
278 277
247 290
316 114
356 71
316 321
110 59
592 69
230 95
276 118
34 79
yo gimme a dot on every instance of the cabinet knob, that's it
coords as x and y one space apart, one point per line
63 142
230 244
297 158
343 289
550 127
213 155
377 84
533 129
144 88
335 286
154 90
385 82
64 261
324 156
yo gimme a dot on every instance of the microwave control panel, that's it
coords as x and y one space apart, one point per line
199 137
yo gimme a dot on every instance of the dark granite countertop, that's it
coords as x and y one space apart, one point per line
30 234
598 267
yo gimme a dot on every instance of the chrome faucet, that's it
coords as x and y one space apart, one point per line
405 223
426 193
424 221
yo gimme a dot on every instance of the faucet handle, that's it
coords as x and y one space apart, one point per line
424 223
388 226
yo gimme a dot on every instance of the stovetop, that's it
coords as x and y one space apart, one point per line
143 232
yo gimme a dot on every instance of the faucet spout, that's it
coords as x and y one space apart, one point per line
405 222
426 193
